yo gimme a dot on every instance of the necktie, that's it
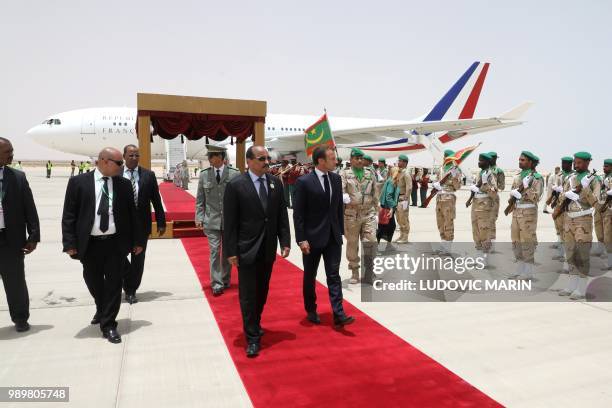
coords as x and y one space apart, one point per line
218 176
103 207
263 195
326 184
134 189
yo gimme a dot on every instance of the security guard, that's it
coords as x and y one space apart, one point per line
209 214
525 215
578 225
360 195
383 171
606 210
446 201
500 178
403 207
598 247
557 186
483 217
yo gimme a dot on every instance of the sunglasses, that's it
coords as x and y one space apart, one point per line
263 158
117 162
133 156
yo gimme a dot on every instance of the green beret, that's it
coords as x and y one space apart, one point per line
367 157
486 156
355 152
583 155
608 162
382 159
493 155
567 159
448 152
403 157
529 155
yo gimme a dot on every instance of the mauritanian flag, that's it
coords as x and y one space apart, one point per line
318 134
460 155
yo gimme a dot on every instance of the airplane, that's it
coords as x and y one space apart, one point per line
86 131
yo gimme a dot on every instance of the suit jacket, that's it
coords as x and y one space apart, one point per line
20 215
247 226
314 216
148 192
79 214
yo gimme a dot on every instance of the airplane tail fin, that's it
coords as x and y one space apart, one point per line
517 112
461 99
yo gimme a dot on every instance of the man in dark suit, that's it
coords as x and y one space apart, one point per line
318 219
146 192
17 216
254 217
100 227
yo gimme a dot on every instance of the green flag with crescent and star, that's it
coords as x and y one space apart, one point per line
318 134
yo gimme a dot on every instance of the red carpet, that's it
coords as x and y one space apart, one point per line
302 365
180 205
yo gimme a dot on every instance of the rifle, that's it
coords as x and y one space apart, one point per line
565 205
469 201
512 201
605 206
434 191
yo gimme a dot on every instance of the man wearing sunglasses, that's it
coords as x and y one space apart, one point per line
100 227
146 192
254 218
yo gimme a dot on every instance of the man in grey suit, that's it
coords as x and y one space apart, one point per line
209 214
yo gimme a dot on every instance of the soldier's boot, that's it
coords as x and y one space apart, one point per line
609 267
597 249
559 247
580 291
572 284
520 267
527 271
566 267
369 252
484 257
403 238
354 276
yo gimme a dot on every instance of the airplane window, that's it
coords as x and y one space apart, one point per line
50 122
114 123
57 122
125 124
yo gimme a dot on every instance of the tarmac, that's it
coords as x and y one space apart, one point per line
173 355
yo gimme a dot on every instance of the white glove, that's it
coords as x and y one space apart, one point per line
526 181
609 192
516 194
558 189
346 199
437 186
404 205
474 188
585 182
572 196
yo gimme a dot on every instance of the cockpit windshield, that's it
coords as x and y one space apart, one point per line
52 122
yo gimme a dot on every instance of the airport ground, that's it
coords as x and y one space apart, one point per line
173 354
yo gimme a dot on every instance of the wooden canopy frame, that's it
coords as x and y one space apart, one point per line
197 105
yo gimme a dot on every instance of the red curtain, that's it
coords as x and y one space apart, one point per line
193 126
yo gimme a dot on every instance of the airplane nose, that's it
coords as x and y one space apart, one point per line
34 133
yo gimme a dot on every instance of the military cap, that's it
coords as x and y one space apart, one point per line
493 155
367 157
567 159
486 156
215 149
583 155
448 152
403 157
529 155
608 162
382 159
355 152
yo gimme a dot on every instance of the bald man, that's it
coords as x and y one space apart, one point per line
100 227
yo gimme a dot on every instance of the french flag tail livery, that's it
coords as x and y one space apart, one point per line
461 99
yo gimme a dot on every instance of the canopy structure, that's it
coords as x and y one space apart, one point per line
196 117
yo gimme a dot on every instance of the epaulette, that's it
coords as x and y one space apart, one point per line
537 175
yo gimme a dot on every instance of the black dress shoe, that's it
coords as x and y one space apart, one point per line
112 335
252 350
226 286
131 299
343 320
22 326
261 332
217 292
95 319
313 317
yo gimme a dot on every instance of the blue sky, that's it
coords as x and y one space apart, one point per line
381 59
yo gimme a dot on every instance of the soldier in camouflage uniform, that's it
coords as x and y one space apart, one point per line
383 170
360 196
578 225
606 214
557 186
403 207
483 215
598 247
500 178
525 215
446 202
209 214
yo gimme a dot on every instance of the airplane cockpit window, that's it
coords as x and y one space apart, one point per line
57 122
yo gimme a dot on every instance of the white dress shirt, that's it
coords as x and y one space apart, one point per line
98 184
2 225
220 169
255 180
127 173
320 175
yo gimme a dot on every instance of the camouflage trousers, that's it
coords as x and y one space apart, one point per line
359 225
559 225
523 233
577 236
599 227
402 216
482 221
607 230
495 217
445 216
